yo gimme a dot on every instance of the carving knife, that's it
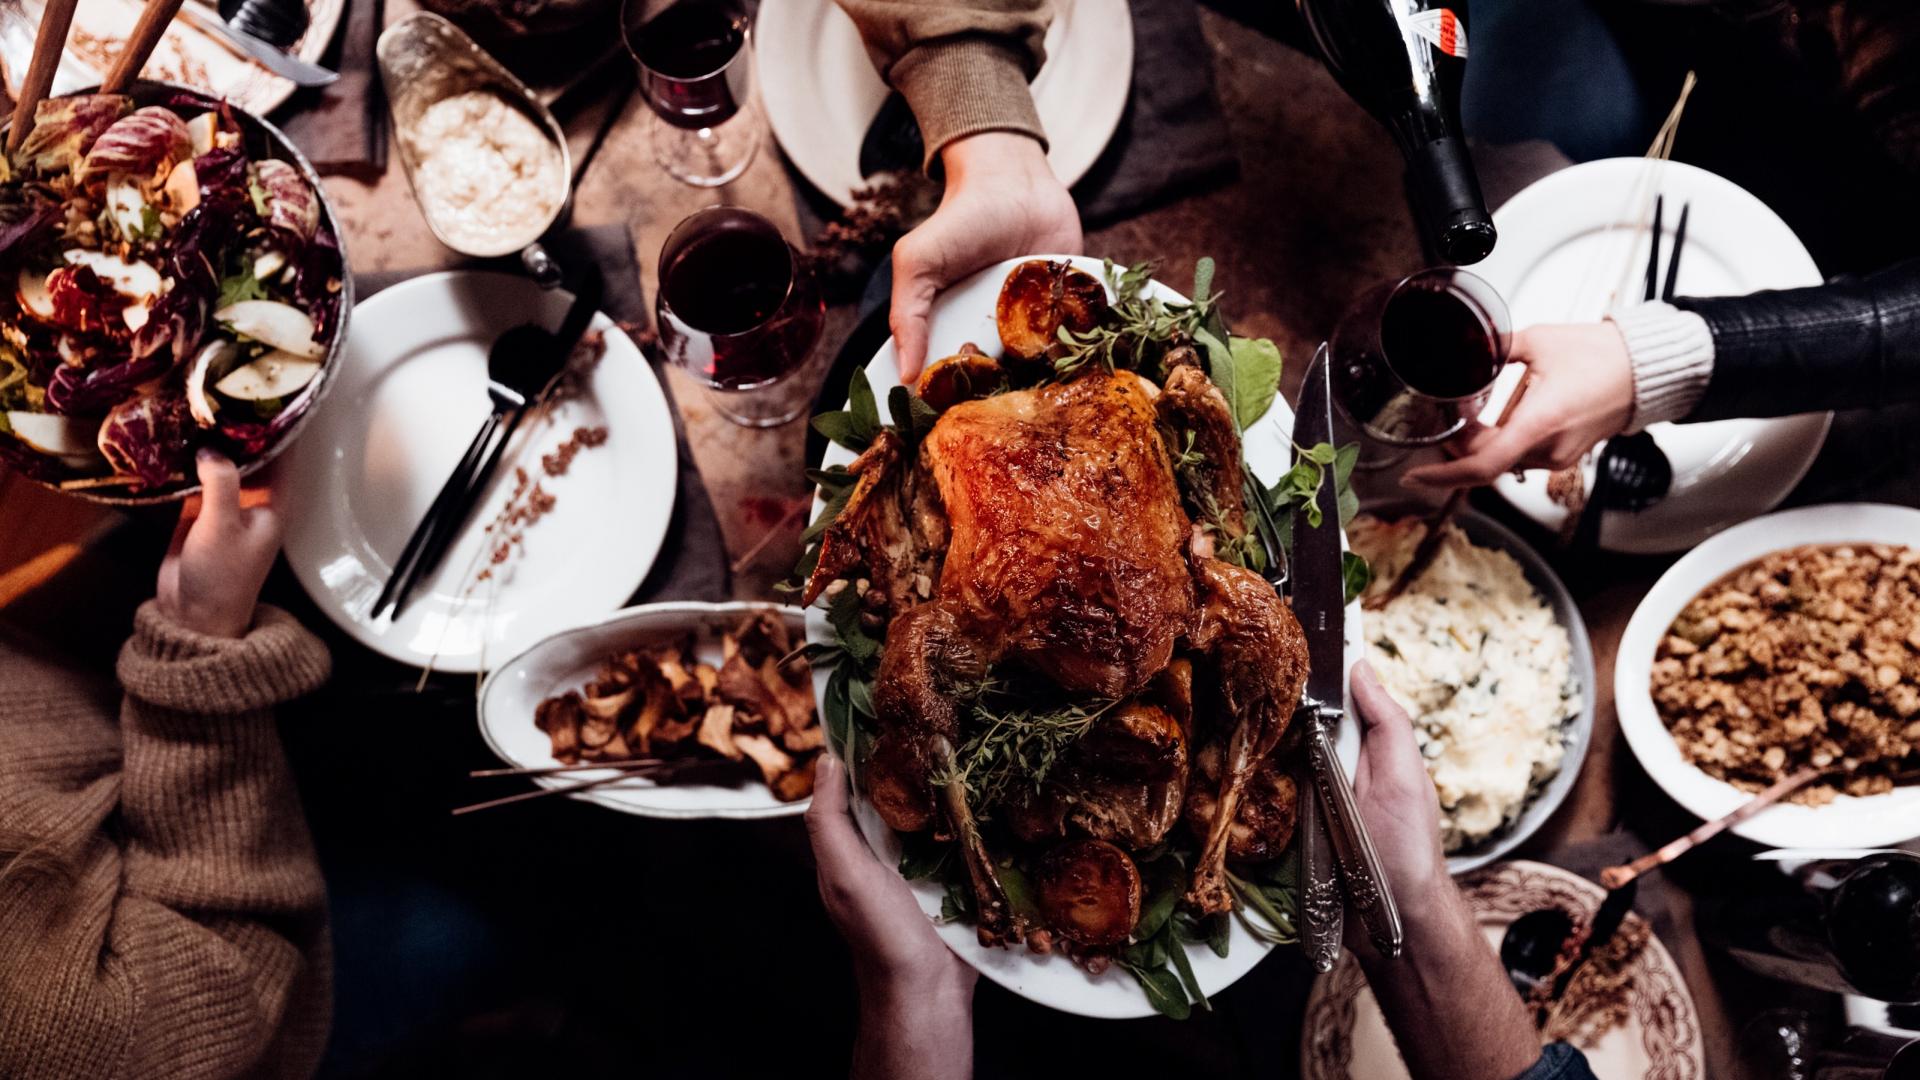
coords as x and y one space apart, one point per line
1320 602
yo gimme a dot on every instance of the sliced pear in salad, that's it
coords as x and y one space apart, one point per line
270 322
51 433
278 374
212 361
35 298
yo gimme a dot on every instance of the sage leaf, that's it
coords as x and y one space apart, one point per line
1184 968
1355 575
1255 378
1163 990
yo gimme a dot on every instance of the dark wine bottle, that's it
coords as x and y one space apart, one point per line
1852 927
1402 61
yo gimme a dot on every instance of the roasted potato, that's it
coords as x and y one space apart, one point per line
965 375
1088 892
1136 741
1038 299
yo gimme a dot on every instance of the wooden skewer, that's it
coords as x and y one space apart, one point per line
1436 522
153 22
585 766
48 45
1615 876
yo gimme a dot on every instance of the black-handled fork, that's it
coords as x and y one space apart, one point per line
521 367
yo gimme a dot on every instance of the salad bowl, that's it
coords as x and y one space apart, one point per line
265 345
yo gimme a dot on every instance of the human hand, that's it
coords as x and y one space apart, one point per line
1579 392
1393 791
222 549
891 939
1002 200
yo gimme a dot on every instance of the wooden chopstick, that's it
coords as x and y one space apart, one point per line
1436 522
48 46
689 769
585 766
539 792
153 22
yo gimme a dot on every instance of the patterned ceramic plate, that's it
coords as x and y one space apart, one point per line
1346 1036
184 55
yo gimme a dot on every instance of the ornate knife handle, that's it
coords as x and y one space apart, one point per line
1366 882
1322 908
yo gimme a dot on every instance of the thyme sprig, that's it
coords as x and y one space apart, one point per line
1014 740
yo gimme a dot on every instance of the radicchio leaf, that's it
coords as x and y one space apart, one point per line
26 211
85 304
316 287
149 437
64 129
292 210
141 144
83 391
223 176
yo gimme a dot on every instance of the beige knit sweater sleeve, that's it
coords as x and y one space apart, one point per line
183 933
963 67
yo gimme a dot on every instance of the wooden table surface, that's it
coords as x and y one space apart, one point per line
1316 215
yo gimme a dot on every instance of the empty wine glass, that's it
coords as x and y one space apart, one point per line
1414 360
740 312
696 72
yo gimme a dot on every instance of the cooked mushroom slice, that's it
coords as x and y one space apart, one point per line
1038 299
1089 892
716 731
560 719
966 375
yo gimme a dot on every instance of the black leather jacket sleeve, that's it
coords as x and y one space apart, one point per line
1851 343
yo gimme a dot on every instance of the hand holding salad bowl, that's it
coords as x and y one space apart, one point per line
176 284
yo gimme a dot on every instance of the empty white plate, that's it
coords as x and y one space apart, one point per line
407 400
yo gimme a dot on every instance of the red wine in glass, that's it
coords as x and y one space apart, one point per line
684 53
1415 360
696 71
739 312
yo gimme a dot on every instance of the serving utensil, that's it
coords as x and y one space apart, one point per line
1320 603
661 772
152 23
1534 946
48 44
258 47
522 367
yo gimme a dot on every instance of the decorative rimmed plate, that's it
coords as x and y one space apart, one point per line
1847 821
1346 1037
1572 246
185 55
1540 808
410 393
965 313
567 660
821 92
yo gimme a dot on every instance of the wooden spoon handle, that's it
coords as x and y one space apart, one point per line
48 45
154 19
1615 876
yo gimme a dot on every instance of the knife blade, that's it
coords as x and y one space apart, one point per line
893 139
292 68
1319 600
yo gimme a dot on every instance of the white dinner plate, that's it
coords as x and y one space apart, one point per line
1572 247
965 313
410 394
1848 821
186 54
570 659
821 92
1346 1037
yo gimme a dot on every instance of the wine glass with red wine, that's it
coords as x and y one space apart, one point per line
696 72
741 313
1414 361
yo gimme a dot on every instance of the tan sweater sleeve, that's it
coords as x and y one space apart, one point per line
963 67
189 939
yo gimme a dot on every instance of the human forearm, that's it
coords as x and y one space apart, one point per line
1447 1001
1847 344
963 67
915 1030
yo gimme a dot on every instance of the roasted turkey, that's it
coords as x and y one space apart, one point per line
1044 535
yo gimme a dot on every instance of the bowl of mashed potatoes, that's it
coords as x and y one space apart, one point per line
1489 655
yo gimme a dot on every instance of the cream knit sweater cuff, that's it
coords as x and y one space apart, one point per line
1671 352
169 666
964 86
